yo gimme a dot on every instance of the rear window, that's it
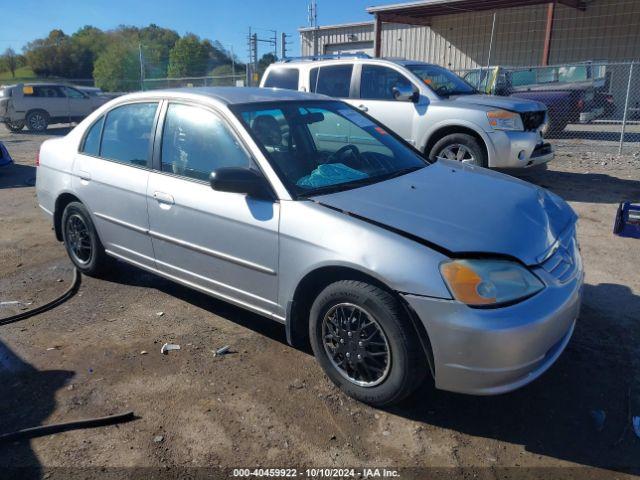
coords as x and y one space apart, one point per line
283 78
334 81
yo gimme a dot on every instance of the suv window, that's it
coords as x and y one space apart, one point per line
523 77
377 82
44 91
73 93
334 81
283 78
92 140
127 131
196 141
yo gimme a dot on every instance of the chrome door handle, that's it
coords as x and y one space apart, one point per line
363 108
163 197
86 176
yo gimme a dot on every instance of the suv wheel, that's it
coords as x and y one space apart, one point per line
81 240
365 344
37 120
15 126
460 147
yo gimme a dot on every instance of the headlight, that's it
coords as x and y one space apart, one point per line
505 120
489 282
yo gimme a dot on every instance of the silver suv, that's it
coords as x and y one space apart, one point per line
38 105
391 266
429 106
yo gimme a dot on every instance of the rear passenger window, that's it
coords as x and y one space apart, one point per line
196 141
334 81
92 140
283 78
127 132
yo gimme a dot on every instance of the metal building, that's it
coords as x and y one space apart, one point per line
462 34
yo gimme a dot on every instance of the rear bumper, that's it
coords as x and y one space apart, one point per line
493 351
519 150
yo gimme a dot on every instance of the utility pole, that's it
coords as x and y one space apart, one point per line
283 46
141 67
313 23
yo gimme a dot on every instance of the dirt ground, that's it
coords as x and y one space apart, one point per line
269 405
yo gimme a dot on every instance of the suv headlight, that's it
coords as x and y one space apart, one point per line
505 120
489 282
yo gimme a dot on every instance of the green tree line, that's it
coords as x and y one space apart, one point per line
113 58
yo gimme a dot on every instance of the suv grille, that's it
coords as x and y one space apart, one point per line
532 120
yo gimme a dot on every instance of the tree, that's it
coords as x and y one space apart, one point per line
188 58
266 60
10 61
51 55
156 43
118 68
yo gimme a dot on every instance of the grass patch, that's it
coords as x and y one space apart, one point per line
22 73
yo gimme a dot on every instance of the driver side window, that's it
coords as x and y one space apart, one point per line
377 82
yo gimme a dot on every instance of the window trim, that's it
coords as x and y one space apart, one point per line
156 165
104 115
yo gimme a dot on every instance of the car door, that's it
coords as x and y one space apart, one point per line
80 105
375 97
225 244
110 176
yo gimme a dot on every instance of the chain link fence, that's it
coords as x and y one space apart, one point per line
231 80
595 105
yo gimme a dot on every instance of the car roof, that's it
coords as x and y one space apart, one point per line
233 95
310 61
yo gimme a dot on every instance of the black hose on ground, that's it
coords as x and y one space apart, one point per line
43 430
70 292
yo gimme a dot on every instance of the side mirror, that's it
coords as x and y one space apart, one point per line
240 180
405 93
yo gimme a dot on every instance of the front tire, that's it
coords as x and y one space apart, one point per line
37 121
460 147
365 344
82 242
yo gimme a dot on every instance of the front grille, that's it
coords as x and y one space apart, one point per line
564 262
532 120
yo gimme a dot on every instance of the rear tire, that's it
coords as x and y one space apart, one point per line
15 127
460 147
37 121
351 352
82 242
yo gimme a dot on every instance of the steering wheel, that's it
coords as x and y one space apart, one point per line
342 151
442 90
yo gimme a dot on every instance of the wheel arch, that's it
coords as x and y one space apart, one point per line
442 131
308 288
62 201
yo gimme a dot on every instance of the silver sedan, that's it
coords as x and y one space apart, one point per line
306 211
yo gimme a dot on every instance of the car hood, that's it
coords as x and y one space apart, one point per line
505 103
462 209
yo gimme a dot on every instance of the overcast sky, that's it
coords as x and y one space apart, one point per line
226 21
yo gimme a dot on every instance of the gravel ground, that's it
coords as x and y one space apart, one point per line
269 405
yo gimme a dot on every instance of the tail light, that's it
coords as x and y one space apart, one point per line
38 158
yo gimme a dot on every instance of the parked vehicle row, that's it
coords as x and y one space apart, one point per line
429 106
39 105
572 94
307 211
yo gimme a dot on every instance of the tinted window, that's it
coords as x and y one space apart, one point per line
334 81
377 83
127 131
283 78
195 142
73 93
45 91
523 77
92 140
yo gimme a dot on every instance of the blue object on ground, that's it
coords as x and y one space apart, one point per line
330 174
5 158
628 220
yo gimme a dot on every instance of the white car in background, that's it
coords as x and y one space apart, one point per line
427 105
